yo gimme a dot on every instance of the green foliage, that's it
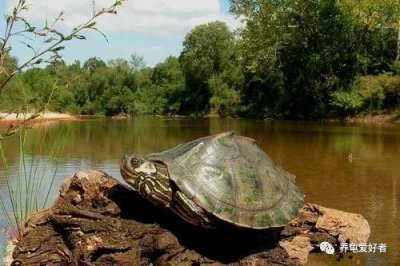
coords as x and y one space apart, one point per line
137 63
296 59
117 100
100 88
40 83
396 68
168 78
9 63
209 51
348 102
385 88
375 26
93 63
297 53
369 93
62 100
161 89
44 42
225 100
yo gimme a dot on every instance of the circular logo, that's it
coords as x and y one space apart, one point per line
324 245
327 248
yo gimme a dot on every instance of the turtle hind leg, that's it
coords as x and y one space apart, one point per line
190 212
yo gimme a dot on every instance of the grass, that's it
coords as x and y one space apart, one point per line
29 184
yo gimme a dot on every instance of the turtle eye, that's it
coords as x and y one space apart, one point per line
135 162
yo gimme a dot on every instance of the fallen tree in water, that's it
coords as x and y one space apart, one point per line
96 220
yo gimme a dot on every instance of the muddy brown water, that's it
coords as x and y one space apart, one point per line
354 168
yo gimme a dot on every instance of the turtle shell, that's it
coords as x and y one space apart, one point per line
232 178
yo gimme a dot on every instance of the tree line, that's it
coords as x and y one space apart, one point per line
296 59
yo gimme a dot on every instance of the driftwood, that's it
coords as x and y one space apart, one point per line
98 221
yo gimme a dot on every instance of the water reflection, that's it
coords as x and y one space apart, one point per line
317 153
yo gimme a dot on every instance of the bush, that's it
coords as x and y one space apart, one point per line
348 102
380 92
391 88
396 67
369 93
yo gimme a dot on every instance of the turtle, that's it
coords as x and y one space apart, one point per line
223 178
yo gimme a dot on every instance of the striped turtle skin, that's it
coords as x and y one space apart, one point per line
232 179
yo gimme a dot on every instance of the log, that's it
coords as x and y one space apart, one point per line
96 220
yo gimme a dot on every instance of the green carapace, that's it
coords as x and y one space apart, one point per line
217 179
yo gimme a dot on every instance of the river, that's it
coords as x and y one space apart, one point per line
354 168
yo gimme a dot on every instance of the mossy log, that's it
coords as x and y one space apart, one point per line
96 220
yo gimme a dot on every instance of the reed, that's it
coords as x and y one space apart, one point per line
29 182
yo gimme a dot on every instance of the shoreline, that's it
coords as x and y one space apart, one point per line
43 118
51 117
371 118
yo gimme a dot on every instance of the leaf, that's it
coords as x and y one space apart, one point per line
49 40
59 34
118 3
28 45
91 25
80 37
59 48
105 37
31 29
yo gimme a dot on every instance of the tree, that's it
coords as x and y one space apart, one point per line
168 78
296 54
208 51
93 63
379 20
137 63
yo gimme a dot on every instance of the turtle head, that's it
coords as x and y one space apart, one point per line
148 178
135 170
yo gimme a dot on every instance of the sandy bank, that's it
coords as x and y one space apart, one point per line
44 117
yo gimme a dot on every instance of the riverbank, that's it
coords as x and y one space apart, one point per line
44 117
48 117
393 117
372 118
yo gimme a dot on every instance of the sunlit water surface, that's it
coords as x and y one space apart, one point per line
354 168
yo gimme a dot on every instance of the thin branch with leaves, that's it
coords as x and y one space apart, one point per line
52 39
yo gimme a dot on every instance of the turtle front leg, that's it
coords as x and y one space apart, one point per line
190 212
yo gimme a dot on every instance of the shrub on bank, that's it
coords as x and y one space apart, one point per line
368 94
380 92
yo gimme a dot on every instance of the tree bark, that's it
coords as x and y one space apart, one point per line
96 220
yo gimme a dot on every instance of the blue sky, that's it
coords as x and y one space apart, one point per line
152 28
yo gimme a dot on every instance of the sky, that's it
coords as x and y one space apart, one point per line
154 29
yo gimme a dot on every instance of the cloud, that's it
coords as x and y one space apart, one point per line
155 17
